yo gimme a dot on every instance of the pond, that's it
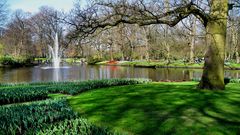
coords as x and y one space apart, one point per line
90 72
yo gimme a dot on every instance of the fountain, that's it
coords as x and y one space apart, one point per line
54 53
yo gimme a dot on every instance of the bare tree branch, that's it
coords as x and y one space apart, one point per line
87 21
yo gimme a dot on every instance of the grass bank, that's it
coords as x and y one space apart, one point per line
152 64
135 108
67 60
27 109
13 62
162 108
163 64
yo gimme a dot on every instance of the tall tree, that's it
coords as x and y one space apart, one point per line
45 24
216 27
214 18
18 35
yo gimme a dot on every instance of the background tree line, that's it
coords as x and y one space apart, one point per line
29 35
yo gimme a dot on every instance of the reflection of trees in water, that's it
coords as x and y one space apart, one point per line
175 74
106 72
82 72
232 73
86 72
19 74
187 75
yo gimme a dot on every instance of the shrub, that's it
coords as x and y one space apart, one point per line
19 118
24 61
83 86
77 126
7 60
71 88
92 60
15 61
21 94
235 81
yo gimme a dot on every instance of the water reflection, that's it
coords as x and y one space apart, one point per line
87 72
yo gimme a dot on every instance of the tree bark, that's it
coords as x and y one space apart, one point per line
193 33
213 72
167 45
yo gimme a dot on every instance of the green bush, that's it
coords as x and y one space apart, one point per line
92 60
21 94
24 61
235 81
37 116
83 86
19 118
38 83
71 88
7 60
42 60
77 126
15 61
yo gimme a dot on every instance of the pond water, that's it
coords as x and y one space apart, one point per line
90 72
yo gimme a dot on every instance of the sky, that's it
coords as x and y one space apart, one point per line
34 5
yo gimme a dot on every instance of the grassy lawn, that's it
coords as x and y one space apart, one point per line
130 107
162 108
162 64
154 64
26 108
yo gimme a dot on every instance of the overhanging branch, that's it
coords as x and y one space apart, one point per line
88 23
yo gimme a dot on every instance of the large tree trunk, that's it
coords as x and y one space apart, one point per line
192 44
213 73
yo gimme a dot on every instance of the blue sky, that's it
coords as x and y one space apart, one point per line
33 5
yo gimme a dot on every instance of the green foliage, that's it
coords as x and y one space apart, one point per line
156 64
16 93
70 60
19 118
94 84
24 61
140 109
71 88
41 59
7 60
77 126
15 61
117 56
39 83
1 49
21 94
92 60
235 81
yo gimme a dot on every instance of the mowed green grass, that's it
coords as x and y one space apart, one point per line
162 108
